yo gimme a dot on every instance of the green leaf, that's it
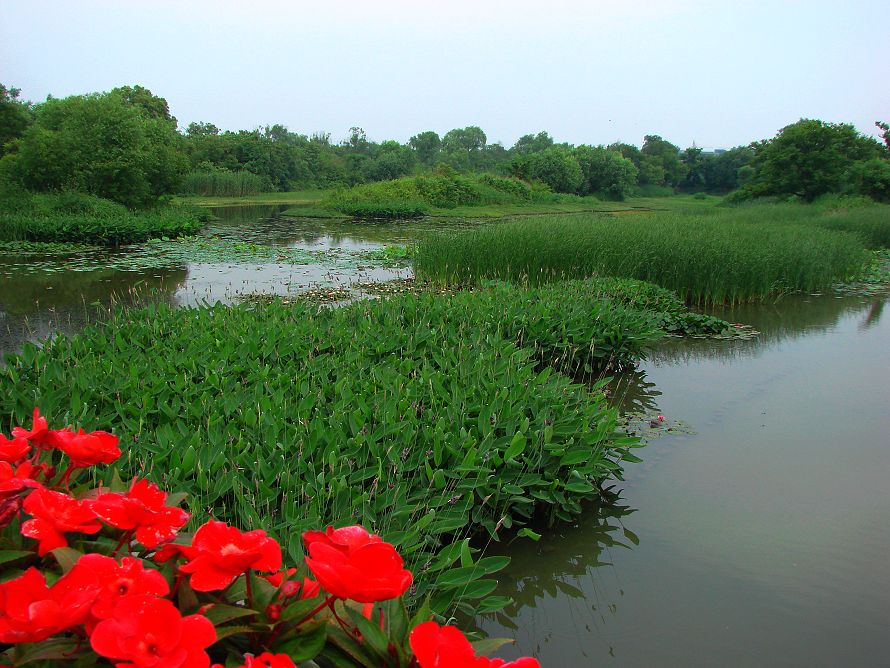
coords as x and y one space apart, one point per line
525 532
10 556
306 644
489 645
220 613
516 447
67 557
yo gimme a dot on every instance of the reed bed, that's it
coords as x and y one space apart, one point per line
223 183
727 257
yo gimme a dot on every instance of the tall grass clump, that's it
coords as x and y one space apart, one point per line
224 183
80 218
859 215
415 196
425 419
706 259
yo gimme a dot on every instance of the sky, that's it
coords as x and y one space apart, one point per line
712 73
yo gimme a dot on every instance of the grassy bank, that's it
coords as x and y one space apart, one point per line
425 418
78 218
415 196
711 257
293 198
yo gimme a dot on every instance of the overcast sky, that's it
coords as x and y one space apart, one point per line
717 73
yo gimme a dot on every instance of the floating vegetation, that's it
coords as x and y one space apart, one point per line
164 253
331 295
875 280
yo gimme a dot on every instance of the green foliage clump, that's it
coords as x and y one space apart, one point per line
725 256
416 196
425 419
212 182
810 158
79 218
120 145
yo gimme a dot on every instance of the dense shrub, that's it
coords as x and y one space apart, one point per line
417 195
75 217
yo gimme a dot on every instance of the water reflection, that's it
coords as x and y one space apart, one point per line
35 305
763 533
791 318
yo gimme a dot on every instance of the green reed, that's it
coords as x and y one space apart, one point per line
721 256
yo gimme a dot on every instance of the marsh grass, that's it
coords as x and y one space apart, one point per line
714 256
224 183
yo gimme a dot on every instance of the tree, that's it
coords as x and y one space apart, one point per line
426 146
694 164
151 105
605 172
667 156
886 133
461 147
532 143
555 167
810 158
100 144
15 116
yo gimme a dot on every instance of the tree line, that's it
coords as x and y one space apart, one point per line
126 146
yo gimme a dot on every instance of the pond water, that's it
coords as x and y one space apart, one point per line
761 537
247 250
756 532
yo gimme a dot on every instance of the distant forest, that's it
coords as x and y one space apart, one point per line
125 145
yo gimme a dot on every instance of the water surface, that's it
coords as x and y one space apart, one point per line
763 536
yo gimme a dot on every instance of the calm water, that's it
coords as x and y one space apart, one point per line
763 537
37 301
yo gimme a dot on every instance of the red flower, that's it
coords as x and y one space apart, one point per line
220 553
264 660
13 480
142 509
308 588
86 449
352 563
145 632
39 434
54 515
437 646
30 611
13 450
115 581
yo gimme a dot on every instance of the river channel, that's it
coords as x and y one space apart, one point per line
756 532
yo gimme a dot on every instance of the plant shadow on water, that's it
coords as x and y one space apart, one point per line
571 563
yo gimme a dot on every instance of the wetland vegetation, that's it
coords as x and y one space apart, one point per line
466 406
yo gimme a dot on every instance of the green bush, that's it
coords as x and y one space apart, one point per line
417 195
75 217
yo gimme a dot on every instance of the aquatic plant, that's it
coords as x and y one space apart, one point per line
79 218
706 259
224 183
419 417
